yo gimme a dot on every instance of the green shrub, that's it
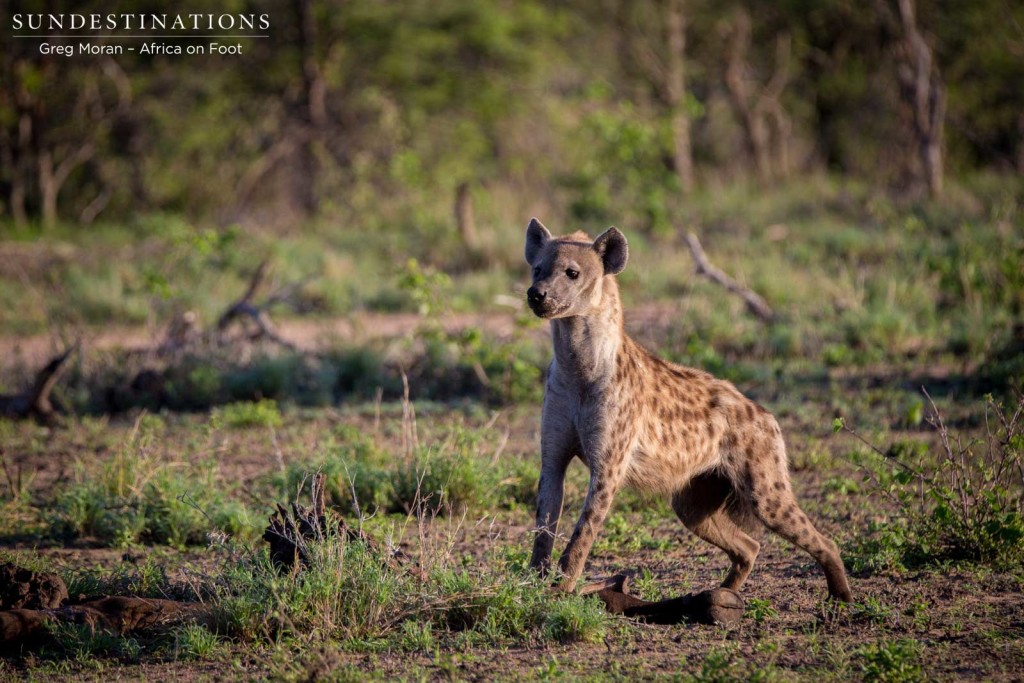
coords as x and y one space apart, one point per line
431 483
264 413
964 502
359 475
345 592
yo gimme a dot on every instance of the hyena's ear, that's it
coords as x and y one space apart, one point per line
536 237
611 246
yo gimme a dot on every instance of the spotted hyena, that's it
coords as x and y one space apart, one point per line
637 420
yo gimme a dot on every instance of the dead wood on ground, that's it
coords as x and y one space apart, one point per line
253 317
291 531
35 402
34 601
755 303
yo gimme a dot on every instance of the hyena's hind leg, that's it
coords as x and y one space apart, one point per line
703 506
774 504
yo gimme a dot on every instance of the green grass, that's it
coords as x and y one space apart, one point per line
875 299
853 275
450 477
194 641
136 497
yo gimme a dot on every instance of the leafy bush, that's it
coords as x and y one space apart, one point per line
963 503
434 483
248 414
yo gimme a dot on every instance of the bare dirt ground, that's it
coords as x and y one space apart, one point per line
969 622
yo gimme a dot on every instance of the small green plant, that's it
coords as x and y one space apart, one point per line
896 661
872 610
417 637
646 586
760 610
724 665
264 413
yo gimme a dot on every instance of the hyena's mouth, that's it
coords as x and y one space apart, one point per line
546 309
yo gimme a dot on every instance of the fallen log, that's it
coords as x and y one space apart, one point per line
33 601
111 614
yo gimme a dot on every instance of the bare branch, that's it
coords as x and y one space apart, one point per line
755 303
35 402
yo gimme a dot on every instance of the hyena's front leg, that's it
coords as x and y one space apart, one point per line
604 482
556 454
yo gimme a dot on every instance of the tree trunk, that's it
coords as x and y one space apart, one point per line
313 109
922 89
1020 144
755 132
762 117
464 217
19 190
51 179
17 197
47 189
782 134
675 90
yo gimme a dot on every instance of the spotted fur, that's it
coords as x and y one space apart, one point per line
637 420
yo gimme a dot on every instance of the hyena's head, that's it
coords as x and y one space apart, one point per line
569 272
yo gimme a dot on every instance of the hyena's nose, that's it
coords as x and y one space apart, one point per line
535 296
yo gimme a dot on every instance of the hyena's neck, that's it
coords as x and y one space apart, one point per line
587 346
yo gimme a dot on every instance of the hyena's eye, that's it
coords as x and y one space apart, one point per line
572 274
536 271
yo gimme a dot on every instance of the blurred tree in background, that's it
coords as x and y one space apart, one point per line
409 109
